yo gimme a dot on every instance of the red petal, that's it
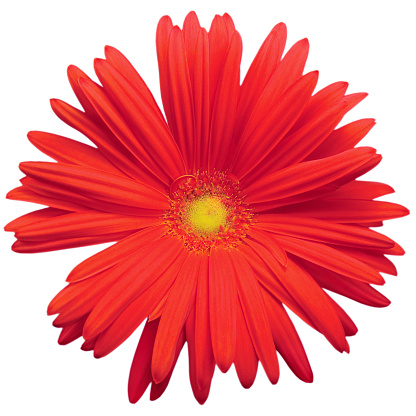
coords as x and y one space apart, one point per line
205 363
105 141
255 315
143 119
71 332
178 305
116 253
140 372
321 102
180 97
137 311
343 139
201 395
347 210
162 43
33 217
373 258
222 306
118 61
98 185
330 258
347 323
83 224
286 73
219 36
286 339
300 143
24 194
266 243
315 303
121 129
42 246
245 361
259 73
74 75
225 105
274 124
191 30
322 231
306 176
71 152
155 258
358 291
200 88
158 389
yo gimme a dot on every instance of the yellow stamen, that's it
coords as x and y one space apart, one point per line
205 215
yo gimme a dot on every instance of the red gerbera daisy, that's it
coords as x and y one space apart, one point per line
243 203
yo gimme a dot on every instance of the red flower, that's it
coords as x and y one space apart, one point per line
245 203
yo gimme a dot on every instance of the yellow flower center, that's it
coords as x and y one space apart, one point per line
206 215
207 211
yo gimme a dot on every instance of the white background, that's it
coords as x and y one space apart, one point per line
368 43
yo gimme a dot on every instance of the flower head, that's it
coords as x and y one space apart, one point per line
244 202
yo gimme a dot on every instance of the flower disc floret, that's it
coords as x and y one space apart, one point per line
208 210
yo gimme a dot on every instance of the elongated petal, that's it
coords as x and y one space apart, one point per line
259 73
82 224
330 258
59 195
323 231
274 125
71 332
362 190
225 105
245 361
315 302
180 97
373 258
347 210
255 315
191 30
122 64
22 246
116 253
358 291
321 102
285 74
103 138
286 339
177 308
299 144
137 311
201 395
124 133
343 139
222 304
154 133
158 389
219 36
74 75
140 371
200 87
164 28
310 175
24 194
204 357
267 277
70 151
266 244
34 217
155 258
98 185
